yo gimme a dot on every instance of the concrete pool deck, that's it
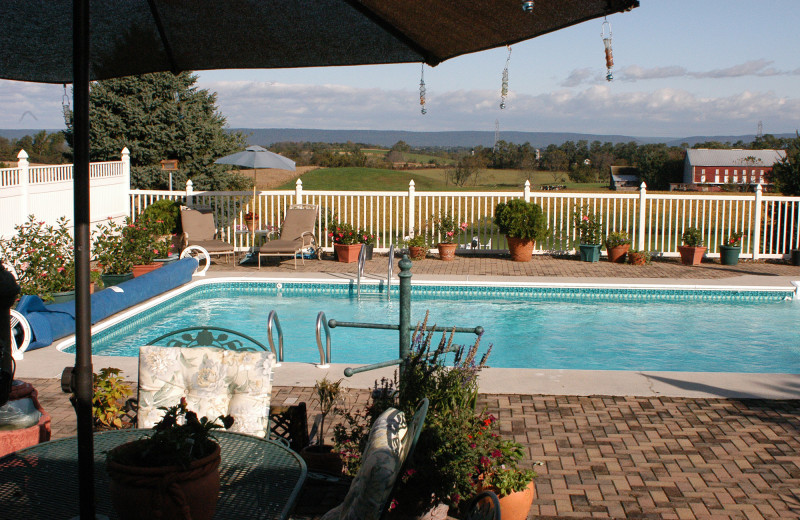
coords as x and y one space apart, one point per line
612 444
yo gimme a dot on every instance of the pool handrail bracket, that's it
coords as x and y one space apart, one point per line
324 357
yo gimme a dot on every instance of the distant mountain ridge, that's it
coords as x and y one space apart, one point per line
268 136
465 139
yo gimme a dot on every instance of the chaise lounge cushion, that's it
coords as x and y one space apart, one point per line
214 381
371 488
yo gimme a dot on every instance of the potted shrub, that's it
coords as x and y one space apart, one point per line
448 230
43 256
692 250
321 456
636 257
729 250
617 244
141 239
165 214
590 234
180 450
345 241
523 224
109 250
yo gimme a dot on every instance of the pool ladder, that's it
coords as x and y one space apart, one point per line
362 258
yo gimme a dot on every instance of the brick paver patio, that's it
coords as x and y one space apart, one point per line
607 457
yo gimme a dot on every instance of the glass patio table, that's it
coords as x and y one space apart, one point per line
259 479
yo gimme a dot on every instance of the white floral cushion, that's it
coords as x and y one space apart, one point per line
214 381
373 484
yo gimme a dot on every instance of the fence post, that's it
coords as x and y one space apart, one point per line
527 191
24 182
642 201
126 179
298 192
757 223
412 207
189 190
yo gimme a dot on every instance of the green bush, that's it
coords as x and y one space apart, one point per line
692 237
165 216
519 219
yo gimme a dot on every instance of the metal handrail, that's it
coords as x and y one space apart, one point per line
322 321
272 320
362 258
389 276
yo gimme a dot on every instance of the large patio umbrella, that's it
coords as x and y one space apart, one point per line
257 157
60 41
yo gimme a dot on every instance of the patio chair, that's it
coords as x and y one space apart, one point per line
199 229
390 445
297 235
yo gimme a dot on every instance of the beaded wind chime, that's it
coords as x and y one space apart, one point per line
504 86
423 110
606 34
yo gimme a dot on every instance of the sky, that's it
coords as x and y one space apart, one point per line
681 68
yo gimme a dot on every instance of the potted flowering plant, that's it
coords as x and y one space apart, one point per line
43 256
345 241
181 449
590 234
368 239
447 229
417 245
729 250
111 253
692 250
617 244
251 220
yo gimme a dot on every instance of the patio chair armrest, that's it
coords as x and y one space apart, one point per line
311 235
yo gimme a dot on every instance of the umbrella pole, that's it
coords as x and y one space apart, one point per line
82 386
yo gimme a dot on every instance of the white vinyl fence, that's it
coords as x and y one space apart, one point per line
770 224
46 192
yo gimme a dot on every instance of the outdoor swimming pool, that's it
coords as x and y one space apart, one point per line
530 327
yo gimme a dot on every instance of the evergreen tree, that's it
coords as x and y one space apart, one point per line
786 173
162 116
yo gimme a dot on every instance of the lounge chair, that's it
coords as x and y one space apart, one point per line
297 235
199 229
390 445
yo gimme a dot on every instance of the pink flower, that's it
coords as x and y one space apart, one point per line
585 218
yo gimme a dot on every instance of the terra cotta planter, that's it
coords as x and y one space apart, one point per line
617 254
521 250
347 253
692 255
517 505
140 269
417 253
447 252
139 493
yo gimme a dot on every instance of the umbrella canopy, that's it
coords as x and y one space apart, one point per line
257 157
76 41
138 36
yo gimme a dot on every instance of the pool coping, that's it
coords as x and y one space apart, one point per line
48 362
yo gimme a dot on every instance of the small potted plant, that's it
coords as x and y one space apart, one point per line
368 239
590 234
181 449
729 250
448 230
251 220
320 456
345 241
692 250
617 244
636 257
417 246
523 224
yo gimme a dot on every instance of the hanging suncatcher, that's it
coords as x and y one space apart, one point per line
606 34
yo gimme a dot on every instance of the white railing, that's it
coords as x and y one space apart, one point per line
770 224
47 192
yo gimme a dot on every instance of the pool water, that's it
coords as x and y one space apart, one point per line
534 328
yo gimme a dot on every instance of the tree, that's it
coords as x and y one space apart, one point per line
466 168
162 116
786 173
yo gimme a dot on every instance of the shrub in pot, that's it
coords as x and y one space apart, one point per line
523 224
110 252
320 456
636 257
692 250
